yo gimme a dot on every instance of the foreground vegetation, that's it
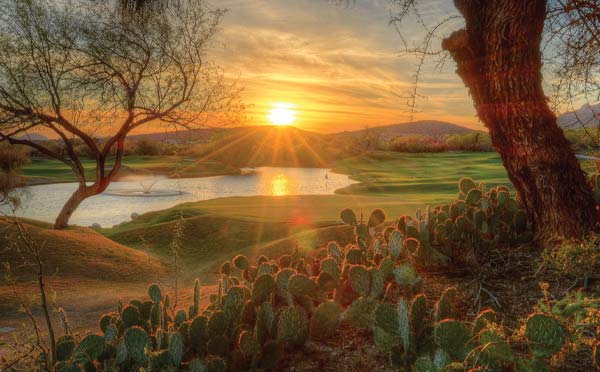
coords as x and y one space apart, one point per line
268 308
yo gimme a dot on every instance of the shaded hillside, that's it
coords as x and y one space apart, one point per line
275 146
423 127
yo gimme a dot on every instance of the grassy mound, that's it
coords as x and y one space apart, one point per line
214 230
78 253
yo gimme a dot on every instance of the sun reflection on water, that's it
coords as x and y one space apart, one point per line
280 185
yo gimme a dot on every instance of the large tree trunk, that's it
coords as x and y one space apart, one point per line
83 192
499 59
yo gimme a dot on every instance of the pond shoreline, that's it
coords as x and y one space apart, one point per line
122 198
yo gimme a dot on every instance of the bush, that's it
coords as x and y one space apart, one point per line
456 142
470 142
12 158
578 258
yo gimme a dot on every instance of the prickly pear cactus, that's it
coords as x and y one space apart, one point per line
292 326
545 335
137 341
325 320
453 336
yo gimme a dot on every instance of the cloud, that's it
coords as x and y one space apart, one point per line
338 64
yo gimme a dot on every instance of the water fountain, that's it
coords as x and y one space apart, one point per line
146 188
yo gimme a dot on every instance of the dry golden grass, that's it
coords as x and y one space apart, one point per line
87 271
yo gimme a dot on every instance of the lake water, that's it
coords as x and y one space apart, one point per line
43 202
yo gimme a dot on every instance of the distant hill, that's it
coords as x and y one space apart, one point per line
35 137
588 115
423 127
272 145
200 135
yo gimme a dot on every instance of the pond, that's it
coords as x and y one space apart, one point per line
121 199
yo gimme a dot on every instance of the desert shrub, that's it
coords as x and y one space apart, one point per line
581 140
12 158
469 142
578 258
455 142
146 147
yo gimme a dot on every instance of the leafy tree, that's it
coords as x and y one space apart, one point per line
82 71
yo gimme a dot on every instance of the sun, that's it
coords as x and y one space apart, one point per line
282 114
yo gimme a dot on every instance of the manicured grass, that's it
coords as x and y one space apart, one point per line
52 171
216 230
420 176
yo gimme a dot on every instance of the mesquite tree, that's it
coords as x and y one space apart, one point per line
83 72
498 56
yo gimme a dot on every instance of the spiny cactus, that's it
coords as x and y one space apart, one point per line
262 288
360 313
444 306
483 319
360 279
180 318
199 333
217 324
65 346
418 309
406 275
404 328
195 308
226 268
396 244
292 326
176 347
376 218
349 217
453 336
155 293
354 256
217 344
91 346
248 344
545 335
300 285
265 319
137 341
233 303
325 320
378 284
386 317
241 262
331 267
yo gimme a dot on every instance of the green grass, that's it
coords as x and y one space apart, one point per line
218 229
420 176
52 171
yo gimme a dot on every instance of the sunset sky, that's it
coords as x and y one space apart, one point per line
337 65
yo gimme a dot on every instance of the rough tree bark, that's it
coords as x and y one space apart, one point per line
83 192
499 59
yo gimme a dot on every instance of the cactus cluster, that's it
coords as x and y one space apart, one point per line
462 231
268 306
